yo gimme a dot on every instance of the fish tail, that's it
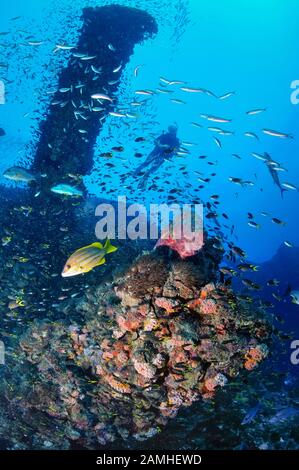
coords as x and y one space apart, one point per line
108 247
282 191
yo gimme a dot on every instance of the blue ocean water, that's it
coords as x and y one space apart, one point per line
248 51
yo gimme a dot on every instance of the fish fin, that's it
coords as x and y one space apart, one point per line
87 270
102 261
97 245
81 249
108 247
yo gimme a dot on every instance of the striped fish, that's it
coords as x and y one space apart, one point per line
87 258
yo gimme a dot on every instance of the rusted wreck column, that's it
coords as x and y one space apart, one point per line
69 132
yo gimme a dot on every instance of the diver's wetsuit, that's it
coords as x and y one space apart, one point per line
166 147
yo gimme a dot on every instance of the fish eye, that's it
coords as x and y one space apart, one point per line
68 266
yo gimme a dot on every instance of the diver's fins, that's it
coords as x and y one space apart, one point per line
142 183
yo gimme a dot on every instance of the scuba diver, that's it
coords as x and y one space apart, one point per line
166 146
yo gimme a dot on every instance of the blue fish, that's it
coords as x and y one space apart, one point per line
250 416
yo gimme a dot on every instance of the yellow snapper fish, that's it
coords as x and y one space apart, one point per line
6 240
87 258
18 302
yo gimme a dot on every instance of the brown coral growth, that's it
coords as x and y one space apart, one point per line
165 335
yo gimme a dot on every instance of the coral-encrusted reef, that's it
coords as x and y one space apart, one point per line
164 335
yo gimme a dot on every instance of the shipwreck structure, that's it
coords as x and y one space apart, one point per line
68 134
115 359
37 217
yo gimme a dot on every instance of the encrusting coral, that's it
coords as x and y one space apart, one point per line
165 334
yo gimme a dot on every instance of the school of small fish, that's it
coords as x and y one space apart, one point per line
125 117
